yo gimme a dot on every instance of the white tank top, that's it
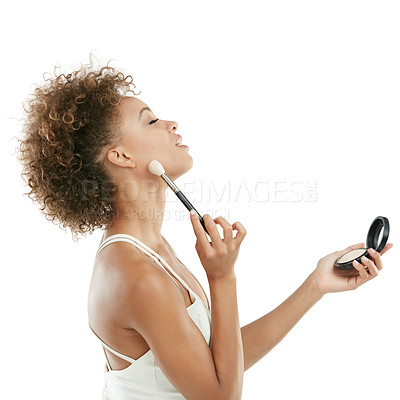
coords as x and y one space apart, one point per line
143 379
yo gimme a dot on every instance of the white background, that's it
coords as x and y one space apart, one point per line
283 91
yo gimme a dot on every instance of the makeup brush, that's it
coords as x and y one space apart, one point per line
156 168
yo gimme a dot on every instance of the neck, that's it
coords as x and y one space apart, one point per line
139 212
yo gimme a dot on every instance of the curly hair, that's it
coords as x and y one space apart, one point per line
70 121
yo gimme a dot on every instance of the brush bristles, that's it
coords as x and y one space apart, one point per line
156 168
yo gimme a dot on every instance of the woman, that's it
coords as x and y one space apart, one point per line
85 154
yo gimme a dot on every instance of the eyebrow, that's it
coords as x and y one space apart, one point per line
143 109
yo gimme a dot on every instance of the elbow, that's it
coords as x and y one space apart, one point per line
229 390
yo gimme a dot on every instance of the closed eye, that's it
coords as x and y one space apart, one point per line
153 121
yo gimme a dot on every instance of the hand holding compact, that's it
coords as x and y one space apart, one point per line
377 237
330 279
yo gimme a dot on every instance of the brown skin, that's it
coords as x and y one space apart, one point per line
132 299
139 211
140 203
262 335
82 139
116 266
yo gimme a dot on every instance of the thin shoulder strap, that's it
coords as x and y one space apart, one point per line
123 356
121 237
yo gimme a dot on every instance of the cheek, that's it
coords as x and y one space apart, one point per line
138 145
148 149
155 146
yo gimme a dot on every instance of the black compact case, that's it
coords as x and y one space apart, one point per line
378 224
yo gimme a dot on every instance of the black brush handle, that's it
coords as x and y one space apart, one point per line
189 206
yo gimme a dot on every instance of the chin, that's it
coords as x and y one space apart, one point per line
181 168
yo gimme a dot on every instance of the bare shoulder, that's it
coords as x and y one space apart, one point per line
118 269
123 265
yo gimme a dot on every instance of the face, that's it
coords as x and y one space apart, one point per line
144 138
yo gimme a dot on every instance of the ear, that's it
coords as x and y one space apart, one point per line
120 158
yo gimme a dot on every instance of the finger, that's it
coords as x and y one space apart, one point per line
226 226
212 229
376 258
370 265
361 270
241 232
199 230
386 248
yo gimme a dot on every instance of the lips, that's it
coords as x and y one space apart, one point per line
179 140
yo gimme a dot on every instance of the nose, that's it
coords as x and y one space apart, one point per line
172 126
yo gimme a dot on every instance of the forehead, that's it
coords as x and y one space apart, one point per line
131 106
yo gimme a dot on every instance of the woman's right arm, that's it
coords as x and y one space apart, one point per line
218 258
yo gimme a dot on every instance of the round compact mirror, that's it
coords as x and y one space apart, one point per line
377 237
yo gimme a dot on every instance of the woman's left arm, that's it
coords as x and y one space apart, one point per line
263 334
